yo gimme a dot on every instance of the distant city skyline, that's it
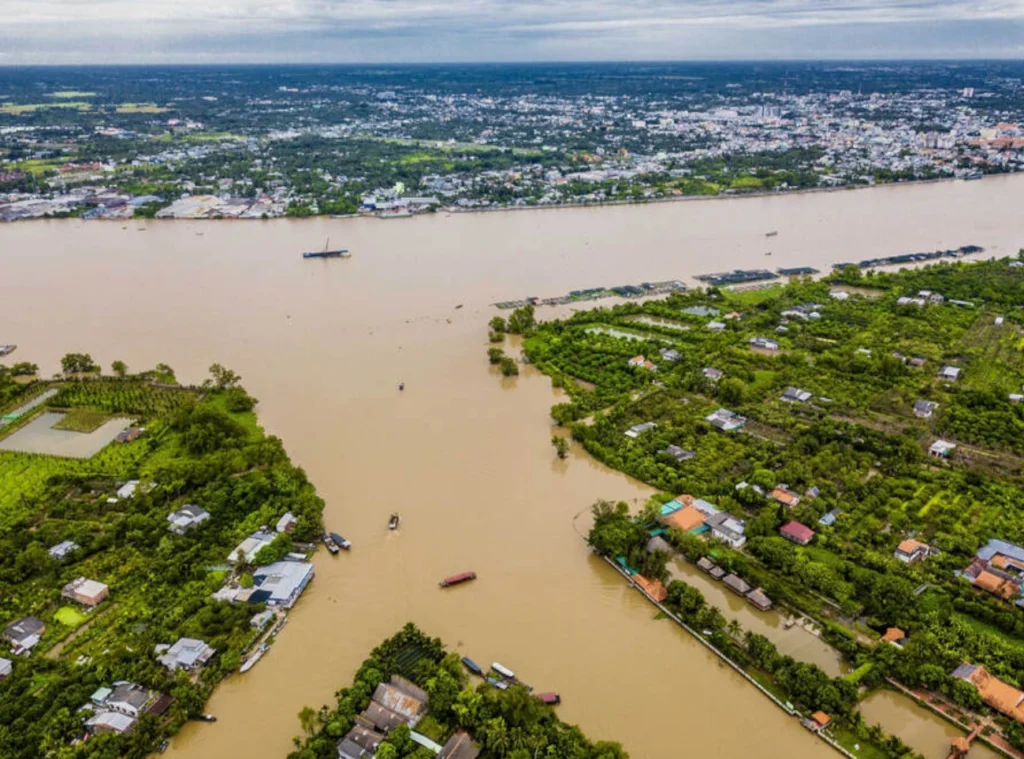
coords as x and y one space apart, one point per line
423 31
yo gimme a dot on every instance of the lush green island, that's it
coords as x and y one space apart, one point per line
412 698
848 450
121 499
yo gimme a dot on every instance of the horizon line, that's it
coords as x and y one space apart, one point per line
554 62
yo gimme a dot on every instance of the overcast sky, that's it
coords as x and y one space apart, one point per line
212 31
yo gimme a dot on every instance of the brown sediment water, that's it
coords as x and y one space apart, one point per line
462 454
920 728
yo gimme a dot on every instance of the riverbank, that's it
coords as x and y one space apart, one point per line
455 209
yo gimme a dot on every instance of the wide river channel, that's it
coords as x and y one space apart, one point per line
463 454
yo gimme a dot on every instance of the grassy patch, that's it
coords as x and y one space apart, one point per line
431 728
141 108
69 616
81 420
17 109
71 94
37 166
753 297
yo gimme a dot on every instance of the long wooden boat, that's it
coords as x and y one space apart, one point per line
503 671
457 579
552 699
472 666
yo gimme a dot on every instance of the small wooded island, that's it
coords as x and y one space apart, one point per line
152 538
414 699
849 451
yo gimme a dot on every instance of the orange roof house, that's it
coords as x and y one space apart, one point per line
996 585
785 496
654 588
1001 696
894 635
821 719
910 550
686 519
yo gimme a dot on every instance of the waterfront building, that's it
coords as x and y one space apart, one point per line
281 583
797 533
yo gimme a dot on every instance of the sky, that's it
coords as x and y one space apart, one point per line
400 31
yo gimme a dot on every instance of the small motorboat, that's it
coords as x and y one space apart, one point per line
472 666
773 233
393 521
551 699
401 386
458 307
339 541
503 671
499 684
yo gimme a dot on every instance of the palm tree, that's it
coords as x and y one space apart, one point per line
734 629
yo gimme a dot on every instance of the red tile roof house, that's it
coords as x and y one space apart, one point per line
796 532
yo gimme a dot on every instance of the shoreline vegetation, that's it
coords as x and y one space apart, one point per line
866 445
442 708
113 563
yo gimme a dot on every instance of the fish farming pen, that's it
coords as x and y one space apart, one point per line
798 271
912 258
738 276
642 290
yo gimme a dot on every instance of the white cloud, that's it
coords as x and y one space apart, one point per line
124 30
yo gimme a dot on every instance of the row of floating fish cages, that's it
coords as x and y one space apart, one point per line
597 293
912 258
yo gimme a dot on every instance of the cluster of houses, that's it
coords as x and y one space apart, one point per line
924 297
395 703
998 568
118 708
697 516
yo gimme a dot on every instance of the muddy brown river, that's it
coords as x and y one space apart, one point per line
463 454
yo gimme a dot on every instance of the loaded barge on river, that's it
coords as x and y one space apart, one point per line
325 253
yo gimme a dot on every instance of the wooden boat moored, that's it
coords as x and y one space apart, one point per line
503 671
552 699
472 666
457 579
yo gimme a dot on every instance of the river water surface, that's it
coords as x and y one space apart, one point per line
463 454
